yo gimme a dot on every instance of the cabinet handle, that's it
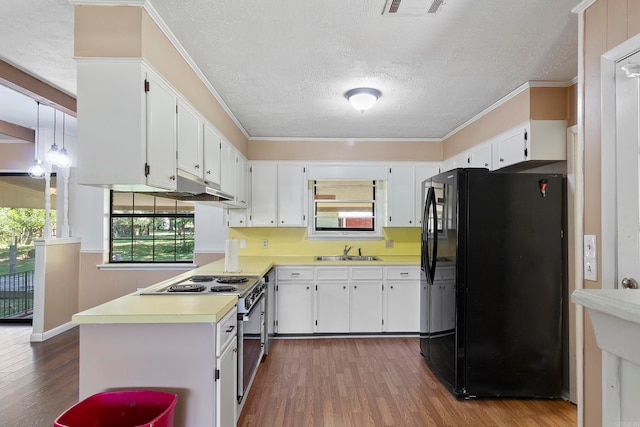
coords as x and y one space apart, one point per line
307 288
502 160
404 274
230 329
295 274
486 165
208 172
172 178
355 286
272 221
197 166
391 286
344 287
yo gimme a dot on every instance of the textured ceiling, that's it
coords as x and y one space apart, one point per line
282 67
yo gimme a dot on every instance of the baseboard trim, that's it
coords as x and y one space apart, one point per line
52 332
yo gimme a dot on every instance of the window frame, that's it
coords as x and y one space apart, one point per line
173 216
355 234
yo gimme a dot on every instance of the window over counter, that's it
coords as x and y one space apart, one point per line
150 229
344 208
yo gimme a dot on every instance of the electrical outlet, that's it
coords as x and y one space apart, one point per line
243 243
388 244
265 243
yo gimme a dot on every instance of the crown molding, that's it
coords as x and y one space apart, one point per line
308 139
582 6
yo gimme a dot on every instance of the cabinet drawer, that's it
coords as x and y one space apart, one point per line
332 273
403 273
226 330
444 273
366 273
294 273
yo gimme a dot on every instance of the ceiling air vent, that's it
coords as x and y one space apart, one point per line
411 7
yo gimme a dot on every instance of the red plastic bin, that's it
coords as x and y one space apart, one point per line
124 408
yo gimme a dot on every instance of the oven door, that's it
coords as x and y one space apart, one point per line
250 344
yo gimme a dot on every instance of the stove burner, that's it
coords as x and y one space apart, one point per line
223 289
232 279
202 279
186 288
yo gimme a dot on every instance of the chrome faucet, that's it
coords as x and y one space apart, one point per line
346 250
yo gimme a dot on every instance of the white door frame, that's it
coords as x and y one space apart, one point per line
609 226
608 240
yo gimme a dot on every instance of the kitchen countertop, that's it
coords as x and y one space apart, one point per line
621 303
136 308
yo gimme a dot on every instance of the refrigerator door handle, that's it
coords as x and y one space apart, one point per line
434 256
430 217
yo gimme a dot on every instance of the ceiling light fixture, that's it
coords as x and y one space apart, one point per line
363 98
37 170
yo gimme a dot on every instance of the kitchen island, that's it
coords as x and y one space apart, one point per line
173 342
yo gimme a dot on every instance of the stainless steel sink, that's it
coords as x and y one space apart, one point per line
346 258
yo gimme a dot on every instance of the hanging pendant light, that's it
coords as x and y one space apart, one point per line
53 155
37 170
64 159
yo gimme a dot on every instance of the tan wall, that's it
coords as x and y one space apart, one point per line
548 103
607 23
346 150
99 286
16 156
61 290
122 31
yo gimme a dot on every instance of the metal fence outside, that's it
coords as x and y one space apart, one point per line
16 296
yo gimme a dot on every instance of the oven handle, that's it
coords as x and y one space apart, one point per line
245 316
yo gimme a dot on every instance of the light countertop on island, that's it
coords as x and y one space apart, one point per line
136 308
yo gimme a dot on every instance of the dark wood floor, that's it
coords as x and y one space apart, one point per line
374 382
311 382
38 381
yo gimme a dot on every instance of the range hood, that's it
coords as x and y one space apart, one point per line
193 189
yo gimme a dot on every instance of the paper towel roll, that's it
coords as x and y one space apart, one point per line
231 256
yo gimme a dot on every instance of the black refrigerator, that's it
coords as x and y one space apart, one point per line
491 283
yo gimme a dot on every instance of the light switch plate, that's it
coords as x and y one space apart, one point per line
243 243
265 243
590 246
590 268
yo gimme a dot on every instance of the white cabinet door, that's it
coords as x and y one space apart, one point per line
332 305
511 149
212 147
189 139
292 188
236 217
401 196
242 181
264 194
365 307
402 306
227 169
294 308
422 172
226 386
161 133
481 157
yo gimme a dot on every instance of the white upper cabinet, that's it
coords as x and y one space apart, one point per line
292 191
404 193
264 194
212 150
534 141
242 181
227 168
127 125
401 196
422 171
189 139
481 157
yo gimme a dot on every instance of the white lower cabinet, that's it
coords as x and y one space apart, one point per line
402 299
330 299
227 370
332 305
365 306
294 300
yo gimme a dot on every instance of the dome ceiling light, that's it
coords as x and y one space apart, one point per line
363 98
